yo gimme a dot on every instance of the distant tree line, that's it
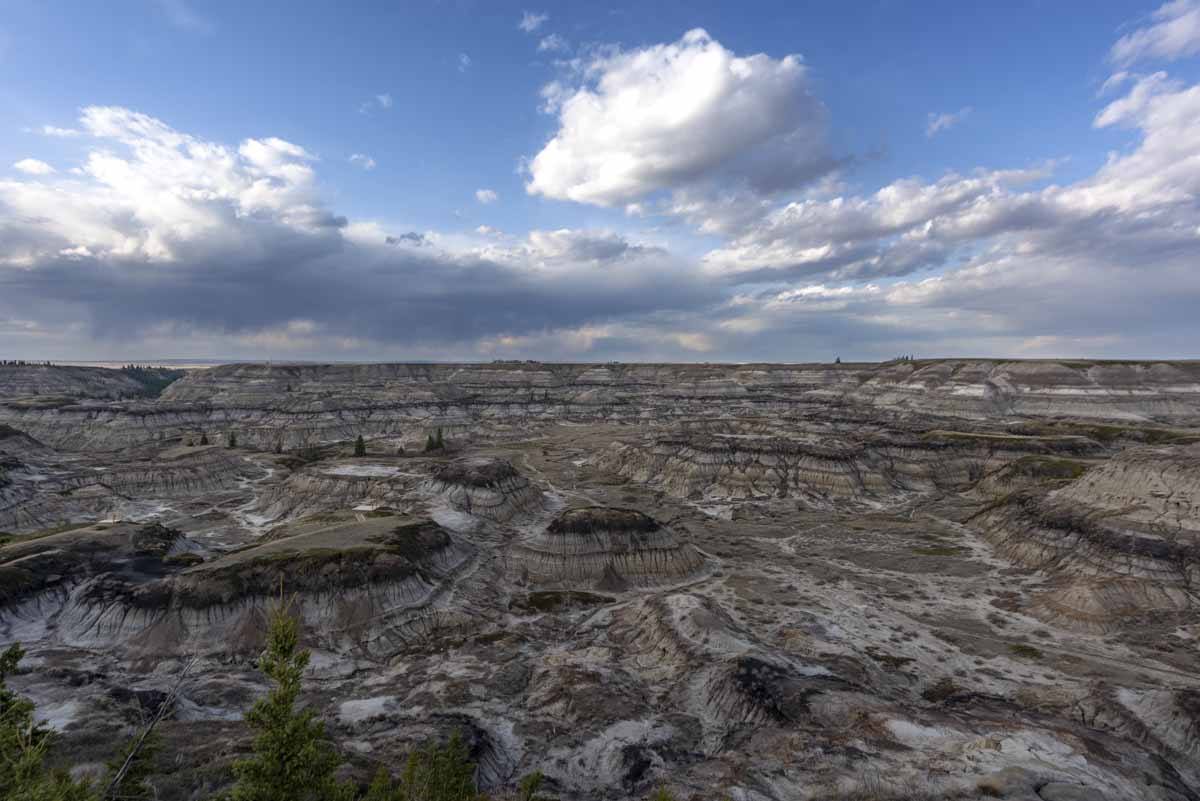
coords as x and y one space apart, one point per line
22 363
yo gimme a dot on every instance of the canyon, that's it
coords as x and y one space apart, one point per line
945 578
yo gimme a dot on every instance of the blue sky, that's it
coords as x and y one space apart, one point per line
672 240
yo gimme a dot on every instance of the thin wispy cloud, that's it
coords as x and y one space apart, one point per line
531 21
464 62
61 133
378 102
553 43
181 14
362 160
936 123
486 196
1173 33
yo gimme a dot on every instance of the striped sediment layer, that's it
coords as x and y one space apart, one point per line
829 468
370 586
1121 541
485 487
290 406
604 548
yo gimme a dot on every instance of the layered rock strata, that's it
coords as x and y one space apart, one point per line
606 549
294 406
485 487
1122 541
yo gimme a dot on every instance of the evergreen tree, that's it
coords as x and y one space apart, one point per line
360 447
204 439
231 441
23 744
291 761
433 773
441 444
430 444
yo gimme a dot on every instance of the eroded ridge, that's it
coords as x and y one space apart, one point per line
607 549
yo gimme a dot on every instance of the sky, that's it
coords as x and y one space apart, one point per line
680 181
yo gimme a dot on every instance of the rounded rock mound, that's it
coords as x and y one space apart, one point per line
485 487
606 549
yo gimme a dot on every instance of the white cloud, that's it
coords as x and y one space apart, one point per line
944 121
362 160
531 21
486 196
464 62
382 101
62 133
1113 82
33 167
1138 209
171 188
553 43
1174 33
677 115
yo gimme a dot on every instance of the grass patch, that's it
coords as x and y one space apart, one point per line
889 660
940 550
1048 467
45 532
380 513
1025 651
551 600
940 690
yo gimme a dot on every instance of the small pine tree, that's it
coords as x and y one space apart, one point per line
204 439
443 773
360 447
441 444
430 443
23 745
292 760
231 440
837 360
529 785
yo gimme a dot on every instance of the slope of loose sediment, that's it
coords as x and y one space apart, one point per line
604 548
1154 487
485 487
352 585
1121 541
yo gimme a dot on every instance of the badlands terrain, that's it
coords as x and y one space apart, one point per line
940 578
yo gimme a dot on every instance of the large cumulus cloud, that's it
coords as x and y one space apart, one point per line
676 115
